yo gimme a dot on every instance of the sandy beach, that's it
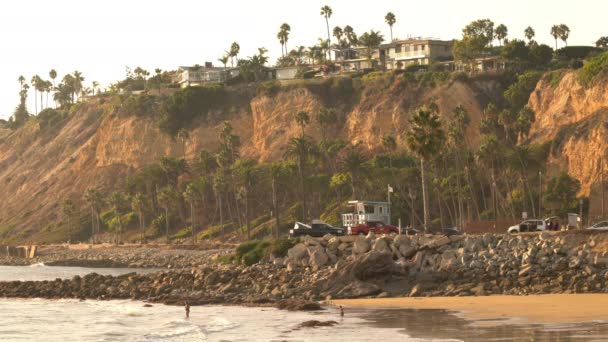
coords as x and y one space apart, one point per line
488 310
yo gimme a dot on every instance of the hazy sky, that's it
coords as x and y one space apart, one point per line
101 38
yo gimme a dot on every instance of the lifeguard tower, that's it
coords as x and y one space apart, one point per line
365 211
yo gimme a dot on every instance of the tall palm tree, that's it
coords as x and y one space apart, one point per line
93 198
166 199
327 12
351 36
191 195
501 33
224 60
301 149
77 85
529 33
353 165
138 204
284 36
390 145
34 82
235 48
117 202
277 170
246 172
95 85
390 19
21 80
564 33
425 138
555 32
183 136
69 209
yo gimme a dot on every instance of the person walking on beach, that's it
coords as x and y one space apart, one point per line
341 311
187 306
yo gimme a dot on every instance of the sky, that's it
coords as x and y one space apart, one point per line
101 38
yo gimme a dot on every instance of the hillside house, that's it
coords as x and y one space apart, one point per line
422 51
200 75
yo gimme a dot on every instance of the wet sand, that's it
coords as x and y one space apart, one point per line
492 310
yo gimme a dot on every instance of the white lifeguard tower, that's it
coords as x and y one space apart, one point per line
366 211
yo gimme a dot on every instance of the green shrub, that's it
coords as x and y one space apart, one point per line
372 76
593 68
269 88
139 105
577 52
49 117
279 247
251 252
179 110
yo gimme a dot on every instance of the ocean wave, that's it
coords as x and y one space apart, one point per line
178 329
40 264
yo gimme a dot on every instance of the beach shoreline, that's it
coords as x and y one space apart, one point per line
500 309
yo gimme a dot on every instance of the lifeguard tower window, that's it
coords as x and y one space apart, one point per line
369 209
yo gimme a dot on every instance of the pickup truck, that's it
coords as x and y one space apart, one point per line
315 230
376 227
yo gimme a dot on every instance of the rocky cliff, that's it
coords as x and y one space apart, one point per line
573 118
95 147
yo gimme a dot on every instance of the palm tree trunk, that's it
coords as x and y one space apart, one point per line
391 33
92 225
302 193
221 213
167 224
247 214
192 220
275 204
328 37
425 202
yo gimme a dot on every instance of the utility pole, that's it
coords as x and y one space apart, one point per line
389 190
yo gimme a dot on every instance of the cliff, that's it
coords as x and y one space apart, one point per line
573 118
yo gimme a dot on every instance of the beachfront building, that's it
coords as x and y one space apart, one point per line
421 51
288 72
199 75
355 59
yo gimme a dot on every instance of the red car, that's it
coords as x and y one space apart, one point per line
376 227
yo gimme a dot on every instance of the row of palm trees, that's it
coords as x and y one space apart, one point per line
71 85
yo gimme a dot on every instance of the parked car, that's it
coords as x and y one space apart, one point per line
533 225
600 226
315 230
374 226
451 231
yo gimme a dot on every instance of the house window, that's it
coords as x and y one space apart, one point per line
423 47
398 48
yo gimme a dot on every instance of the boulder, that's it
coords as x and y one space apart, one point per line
361 246
310 241
407 251
373 265
381 246
442 241
297 252
318 259
333 243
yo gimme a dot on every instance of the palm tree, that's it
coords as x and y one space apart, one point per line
283 37
21 80
327 12
219 187
303 119
353 165
338 33
501 33
69 209
224 60
555 32
77 85
235 48
191 195
166 198
529 33
34 82
564 33
159 76
371 40
138 204
301 149
95 85
117 202
246 171
93 198
390 19
324 47
53 76
351 36
425 139
47 88
277 170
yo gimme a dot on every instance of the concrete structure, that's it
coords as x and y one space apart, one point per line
485 63
287 73
200 75
364 211
421 51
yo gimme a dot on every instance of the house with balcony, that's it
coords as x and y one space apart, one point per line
200 75
421 51
355 59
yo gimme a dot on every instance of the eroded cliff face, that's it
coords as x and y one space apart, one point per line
573 118
40 168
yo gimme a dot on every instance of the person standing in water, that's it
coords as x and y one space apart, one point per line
187 306
341 311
